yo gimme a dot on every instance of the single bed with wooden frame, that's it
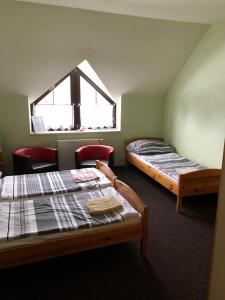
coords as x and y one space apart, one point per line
15 187
193 183
84 239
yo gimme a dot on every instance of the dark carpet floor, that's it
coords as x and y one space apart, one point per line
180 248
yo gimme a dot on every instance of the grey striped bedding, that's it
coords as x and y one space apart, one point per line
172 164
22 219
40 184
149 147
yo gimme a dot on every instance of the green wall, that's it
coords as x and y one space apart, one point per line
140 116
194 112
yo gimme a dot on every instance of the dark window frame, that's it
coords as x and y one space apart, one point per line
75 96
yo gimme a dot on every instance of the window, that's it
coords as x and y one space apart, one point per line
94 109
75 102
55 108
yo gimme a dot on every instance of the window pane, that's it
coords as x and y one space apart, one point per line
87 93
47 99
105 110
56 116
95 110
62 92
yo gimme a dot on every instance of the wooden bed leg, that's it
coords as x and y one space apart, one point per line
144 248
144 240
179 203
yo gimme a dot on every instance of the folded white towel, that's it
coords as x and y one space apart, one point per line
85 176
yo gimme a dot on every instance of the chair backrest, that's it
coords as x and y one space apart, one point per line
37 154
95 152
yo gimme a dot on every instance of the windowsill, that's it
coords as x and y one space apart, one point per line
76 132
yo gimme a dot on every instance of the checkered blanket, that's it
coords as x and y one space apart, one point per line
21 219
33 185
172 164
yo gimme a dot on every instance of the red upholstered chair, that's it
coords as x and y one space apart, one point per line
86 156
35 160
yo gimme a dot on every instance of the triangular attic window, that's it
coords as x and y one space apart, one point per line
79 101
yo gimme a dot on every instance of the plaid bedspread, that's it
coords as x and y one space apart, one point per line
172 164
30 185
21 219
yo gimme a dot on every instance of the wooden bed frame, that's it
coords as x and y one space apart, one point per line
58 246
190 184
102 167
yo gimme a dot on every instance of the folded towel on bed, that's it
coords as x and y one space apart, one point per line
103 205
85 176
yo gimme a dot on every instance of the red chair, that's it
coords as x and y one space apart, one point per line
86 156
35 160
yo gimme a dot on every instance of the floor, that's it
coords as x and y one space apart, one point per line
178 265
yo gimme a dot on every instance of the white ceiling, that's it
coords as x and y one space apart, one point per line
197 11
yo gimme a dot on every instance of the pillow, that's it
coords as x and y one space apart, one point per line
149 147
133 145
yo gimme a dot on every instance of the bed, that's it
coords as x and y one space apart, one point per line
33 229
156 159
66 181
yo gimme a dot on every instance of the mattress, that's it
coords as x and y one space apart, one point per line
49 183
171 164
22 221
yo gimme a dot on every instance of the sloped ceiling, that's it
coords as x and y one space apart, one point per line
199 11
41 43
